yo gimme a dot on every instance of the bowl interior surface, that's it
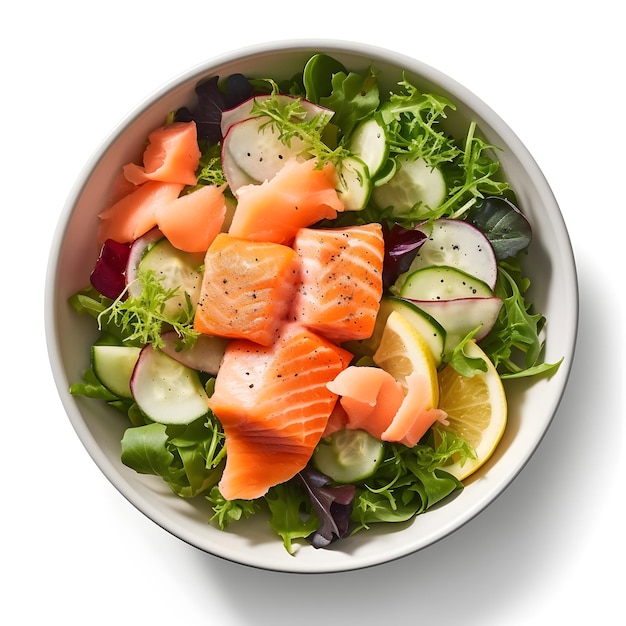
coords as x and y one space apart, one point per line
532 404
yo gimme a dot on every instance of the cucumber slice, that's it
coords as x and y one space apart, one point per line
257 150
348 456
113 367
176 270
440 282
433 332
369 143
355 184
458 244
138 250
167 391
415 187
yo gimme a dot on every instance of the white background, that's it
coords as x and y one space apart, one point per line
550 550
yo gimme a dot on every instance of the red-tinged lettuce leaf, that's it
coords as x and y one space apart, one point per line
508 231
401 246
109 274
332 505
212 99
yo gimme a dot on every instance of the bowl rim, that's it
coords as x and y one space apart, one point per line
364 50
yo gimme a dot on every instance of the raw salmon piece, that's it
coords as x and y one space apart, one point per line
299 195
192 221
247 289
172 156
274 404
341 274
337 420
135 213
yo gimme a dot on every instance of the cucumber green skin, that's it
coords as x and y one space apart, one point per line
432 331
355 184
458 244
369 143
441 282
113 367
348 456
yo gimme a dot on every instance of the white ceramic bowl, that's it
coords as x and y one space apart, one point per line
532 406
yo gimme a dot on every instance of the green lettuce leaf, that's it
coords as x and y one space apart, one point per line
515 345
409 481
227 511
291 514
354 97
189 459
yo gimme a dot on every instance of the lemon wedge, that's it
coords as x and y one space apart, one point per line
403 350
476 408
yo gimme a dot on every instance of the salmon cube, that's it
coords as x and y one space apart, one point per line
341 280
247 289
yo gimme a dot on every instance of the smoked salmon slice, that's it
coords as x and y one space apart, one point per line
274 404
192 221
341 280
247 289
299 195
369 396
415 416
135 213
372 400
171 156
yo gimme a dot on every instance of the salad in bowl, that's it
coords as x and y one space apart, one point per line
310 317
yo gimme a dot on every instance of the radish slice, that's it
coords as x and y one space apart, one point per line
235 176
165 390
204 355
137 252
257 150
457 244
461 316
243 111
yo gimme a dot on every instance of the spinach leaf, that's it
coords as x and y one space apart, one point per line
317 76
503 224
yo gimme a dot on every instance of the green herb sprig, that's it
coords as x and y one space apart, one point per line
142 318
